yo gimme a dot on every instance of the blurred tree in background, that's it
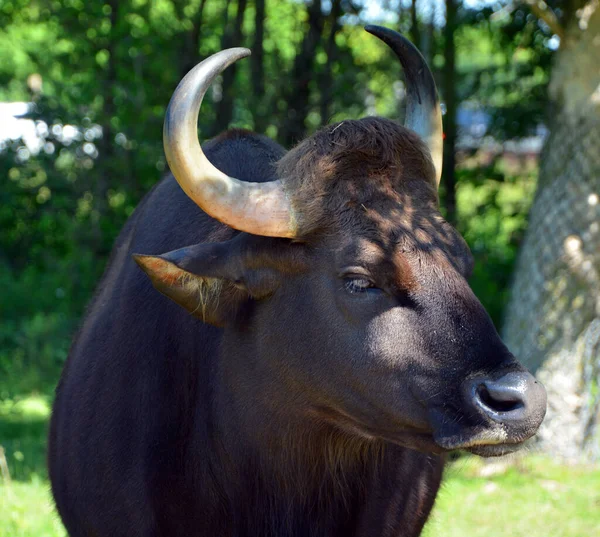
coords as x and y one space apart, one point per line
99 75
553 320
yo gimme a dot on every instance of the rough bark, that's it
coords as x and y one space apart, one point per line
553 318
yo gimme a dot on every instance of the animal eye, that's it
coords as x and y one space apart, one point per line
357 285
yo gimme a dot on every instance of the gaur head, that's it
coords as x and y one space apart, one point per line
346 281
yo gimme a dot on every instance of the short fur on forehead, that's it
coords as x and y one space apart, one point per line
355 163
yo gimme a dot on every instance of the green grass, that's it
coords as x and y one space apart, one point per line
524 496
27 511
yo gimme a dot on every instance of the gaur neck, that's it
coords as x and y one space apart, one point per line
286 470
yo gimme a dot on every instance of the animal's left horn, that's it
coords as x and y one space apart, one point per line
257 208
423 114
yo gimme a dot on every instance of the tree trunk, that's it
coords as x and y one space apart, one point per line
326 79
553 318
450 100
297 98
231 38
258 68
191 38
103 171
415 31
429 37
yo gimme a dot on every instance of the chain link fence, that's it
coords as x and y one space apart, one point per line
553 318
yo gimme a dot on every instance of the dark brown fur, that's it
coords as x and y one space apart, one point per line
355 165
298 408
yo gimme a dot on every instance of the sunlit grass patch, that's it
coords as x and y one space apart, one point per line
524 496
26 510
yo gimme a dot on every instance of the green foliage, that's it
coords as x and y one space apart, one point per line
44 304
23 432
493 202
509 74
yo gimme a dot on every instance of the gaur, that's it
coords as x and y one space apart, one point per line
300 348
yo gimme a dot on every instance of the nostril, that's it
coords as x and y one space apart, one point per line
499 400
515 400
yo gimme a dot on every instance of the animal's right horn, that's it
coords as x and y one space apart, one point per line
257 208
423 113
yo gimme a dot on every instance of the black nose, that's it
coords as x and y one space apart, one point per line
516 399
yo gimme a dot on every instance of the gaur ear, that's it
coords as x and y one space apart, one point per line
213 281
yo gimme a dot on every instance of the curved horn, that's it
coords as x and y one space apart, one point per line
423 114
257 208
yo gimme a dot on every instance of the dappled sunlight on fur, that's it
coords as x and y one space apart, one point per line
356 164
